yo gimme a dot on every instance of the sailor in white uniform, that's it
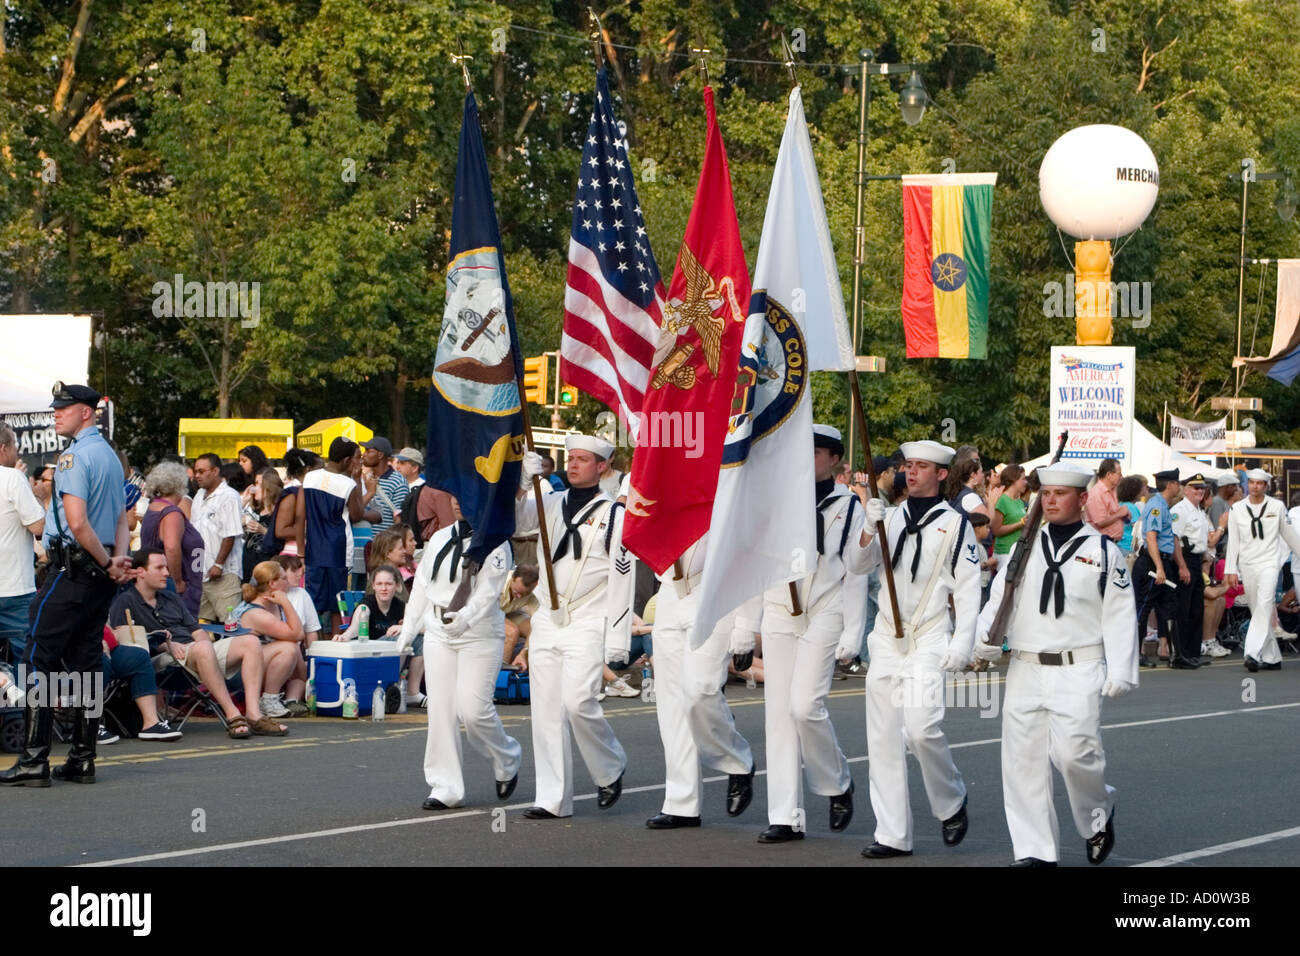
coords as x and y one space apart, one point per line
799 653
1072 643
570 645
1257 526
462 656
934 556
695 722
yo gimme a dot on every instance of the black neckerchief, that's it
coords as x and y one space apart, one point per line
455 546
1053 588
574 502
917 514
823 491
1257 520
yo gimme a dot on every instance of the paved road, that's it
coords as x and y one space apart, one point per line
1203 761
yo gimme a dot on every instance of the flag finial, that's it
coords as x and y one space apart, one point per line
460 58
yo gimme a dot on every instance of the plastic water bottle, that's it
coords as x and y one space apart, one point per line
402 688
647 684
350 699
750 683
363 622
377 702
311 697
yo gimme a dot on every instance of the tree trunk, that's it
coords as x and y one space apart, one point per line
223 384
398 433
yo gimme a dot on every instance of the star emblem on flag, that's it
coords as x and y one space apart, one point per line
948 271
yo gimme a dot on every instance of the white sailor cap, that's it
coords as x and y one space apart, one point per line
828 436
927 451
1258 474
1068 474
597 446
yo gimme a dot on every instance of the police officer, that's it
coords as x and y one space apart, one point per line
87 538
1158 570
1071 644
1192 530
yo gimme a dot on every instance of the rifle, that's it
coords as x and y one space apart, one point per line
1015 572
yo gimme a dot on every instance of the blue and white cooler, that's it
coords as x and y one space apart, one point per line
367 663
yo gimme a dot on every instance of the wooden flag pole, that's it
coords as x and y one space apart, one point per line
543 533
864 95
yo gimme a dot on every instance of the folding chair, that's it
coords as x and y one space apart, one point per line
188 691
348 600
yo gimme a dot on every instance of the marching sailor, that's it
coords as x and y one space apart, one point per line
1255 524
799 654
570 645
935 555
1071 639
694 720
1192 533
454 603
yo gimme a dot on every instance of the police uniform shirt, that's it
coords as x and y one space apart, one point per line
91 471
1191 523
1156 517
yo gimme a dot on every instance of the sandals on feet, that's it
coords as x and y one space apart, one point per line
265 726
238 728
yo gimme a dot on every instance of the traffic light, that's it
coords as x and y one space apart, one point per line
568 395
535 375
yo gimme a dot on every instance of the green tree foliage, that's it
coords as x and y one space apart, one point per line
311 148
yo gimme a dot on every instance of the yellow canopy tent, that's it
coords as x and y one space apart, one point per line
317 437
225 436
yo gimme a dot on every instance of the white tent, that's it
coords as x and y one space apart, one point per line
1150 455
39 351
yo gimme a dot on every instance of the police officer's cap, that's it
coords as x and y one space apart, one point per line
828 437
1170 475
1196 479
65 395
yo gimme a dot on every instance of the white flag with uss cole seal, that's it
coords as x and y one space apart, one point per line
763 529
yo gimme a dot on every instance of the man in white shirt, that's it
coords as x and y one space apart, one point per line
217 514
21 517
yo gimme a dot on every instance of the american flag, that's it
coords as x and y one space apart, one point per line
613 296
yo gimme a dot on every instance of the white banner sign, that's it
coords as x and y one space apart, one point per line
1092 399
1198 437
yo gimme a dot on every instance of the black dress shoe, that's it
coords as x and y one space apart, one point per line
1252 665
506 787
954 828
842 809
431 804
1184 664
780 833
1032 861
1100 845
538 813
669 821
1143 661
1275 666
740 790
878 851
606 797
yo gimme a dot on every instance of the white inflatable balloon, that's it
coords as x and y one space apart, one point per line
1098 182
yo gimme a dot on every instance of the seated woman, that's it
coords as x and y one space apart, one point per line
386 609
269 613
133 665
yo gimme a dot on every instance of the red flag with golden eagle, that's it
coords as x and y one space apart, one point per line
688 404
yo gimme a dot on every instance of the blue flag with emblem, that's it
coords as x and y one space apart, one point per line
476 425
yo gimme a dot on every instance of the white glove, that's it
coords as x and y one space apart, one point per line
874 514
988 652
404 642
615 656
532 465
457 625
957 658
1114 687
849 647
742 640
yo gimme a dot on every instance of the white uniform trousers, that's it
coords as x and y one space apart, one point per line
566 670
797 673
1260 582
695 721
905 706
1053 713
461 678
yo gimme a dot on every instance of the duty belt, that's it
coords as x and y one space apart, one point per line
1057 658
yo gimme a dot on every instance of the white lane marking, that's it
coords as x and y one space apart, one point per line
1223 848
361 828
